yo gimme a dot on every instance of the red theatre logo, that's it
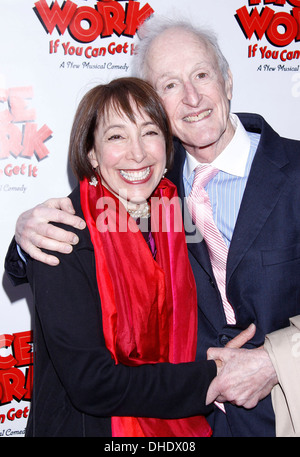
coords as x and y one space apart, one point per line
85 23
270 23
14 383
19 134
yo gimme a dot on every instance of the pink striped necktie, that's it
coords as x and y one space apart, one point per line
201 212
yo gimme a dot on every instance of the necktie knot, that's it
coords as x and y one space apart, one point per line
203 174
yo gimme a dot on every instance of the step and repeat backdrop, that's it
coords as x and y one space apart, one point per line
51 53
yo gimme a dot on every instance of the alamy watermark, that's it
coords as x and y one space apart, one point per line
167 215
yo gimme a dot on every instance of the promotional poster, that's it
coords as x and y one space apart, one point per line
51 54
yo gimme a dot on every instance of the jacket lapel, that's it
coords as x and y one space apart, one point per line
264 187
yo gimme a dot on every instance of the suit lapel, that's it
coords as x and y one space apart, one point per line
265 184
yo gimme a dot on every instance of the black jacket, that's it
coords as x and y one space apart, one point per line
77 386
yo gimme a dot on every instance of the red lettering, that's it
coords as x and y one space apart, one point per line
290 26
255 22
28 382
278 2
55 16
266 2
94 20
10 134
18 106
113 49
16 97
114 17
269 23
23 349
7 361
296 14
11 137
34 141
135 17
10 140
13 414
109 17
12 382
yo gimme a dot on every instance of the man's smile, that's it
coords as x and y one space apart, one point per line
197 117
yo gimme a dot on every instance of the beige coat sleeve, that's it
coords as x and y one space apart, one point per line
283 347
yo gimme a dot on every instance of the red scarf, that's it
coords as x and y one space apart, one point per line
149 307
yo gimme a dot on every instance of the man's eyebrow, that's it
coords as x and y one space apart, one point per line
167 75
197 66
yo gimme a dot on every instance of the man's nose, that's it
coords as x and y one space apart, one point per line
190 95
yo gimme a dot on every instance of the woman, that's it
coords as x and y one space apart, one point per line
114 313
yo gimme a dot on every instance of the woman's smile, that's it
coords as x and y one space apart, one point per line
136 176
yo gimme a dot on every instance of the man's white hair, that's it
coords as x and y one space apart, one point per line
155 26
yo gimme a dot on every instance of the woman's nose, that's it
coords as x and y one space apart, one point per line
136 151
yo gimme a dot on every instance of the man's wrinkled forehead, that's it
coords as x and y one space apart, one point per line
175 42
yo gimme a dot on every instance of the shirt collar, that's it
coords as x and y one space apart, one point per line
234 158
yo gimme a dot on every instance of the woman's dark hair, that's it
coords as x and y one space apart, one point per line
97 103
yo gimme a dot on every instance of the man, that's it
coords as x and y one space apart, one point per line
255 199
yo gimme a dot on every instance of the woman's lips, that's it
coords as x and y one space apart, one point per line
136 176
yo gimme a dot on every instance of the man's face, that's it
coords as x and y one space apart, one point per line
186 75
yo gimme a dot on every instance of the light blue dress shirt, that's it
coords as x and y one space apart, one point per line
226 189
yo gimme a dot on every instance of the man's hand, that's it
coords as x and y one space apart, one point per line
245 378
237 342
242 338
34 232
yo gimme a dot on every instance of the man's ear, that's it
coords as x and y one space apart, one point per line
92 158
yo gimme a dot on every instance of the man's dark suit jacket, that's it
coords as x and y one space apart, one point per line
263 268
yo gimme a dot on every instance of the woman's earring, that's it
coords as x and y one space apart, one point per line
165 172
93 181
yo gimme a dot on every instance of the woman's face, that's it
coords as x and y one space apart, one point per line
131 156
